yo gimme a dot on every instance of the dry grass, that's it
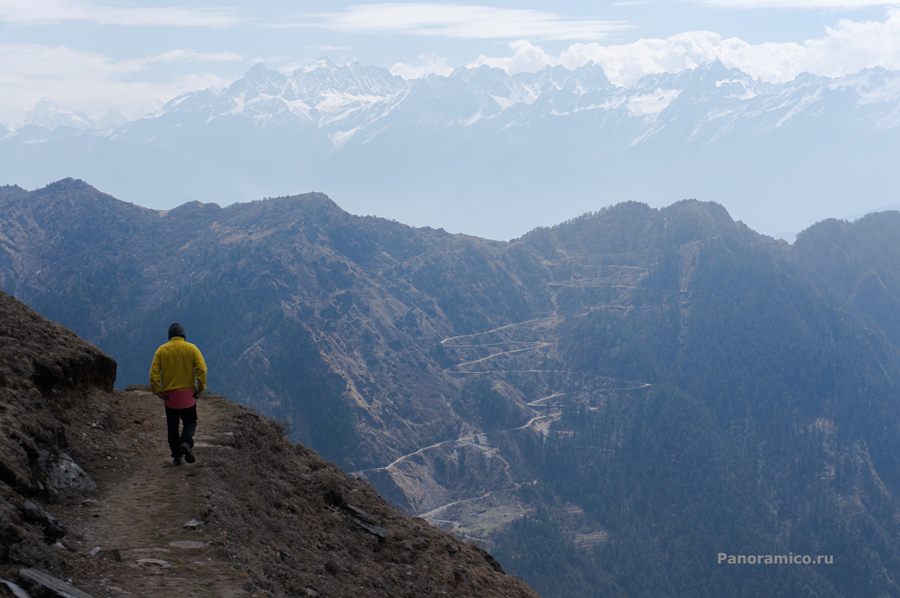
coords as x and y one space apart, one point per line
298 522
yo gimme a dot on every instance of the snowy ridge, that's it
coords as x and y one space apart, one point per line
337 99
411 149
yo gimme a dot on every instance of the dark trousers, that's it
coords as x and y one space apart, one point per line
189 417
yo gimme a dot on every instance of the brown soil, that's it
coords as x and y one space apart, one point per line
138 517
276 519
301 526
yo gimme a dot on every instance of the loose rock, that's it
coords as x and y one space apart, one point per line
65 473
16 590
46 583
155 562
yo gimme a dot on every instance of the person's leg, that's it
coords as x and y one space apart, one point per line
172 425
189 417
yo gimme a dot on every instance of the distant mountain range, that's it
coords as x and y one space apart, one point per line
486 153
607 404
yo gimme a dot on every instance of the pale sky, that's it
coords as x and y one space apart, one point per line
95 54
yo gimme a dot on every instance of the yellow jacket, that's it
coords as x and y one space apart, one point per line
175 365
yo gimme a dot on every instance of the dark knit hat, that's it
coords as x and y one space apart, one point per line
176 329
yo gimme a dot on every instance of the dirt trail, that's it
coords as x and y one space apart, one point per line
511 352
138 516
552 318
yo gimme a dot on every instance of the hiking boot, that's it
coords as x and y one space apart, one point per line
187 452
176 460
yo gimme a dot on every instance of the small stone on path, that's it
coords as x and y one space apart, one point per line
187 544
157 562
16 590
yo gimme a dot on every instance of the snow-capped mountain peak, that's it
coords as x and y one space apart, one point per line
50 115
555 136
699 104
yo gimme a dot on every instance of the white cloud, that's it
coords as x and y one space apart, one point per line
803 4
92 81
430 66
58 11
459 21
192 56
526 58
845 49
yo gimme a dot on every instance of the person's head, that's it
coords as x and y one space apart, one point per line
176 329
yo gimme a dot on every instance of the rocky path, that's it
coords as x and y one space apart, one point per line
140 534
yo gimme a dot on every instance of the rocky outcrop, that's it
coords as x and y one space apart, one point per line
44 371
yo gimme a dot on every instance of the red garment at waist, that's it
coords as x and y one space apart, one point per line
181 398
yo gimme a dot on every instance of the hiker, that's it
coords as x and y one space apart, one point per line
175 367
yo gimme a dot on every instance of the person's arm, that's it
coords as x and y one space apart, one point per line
199 370
156 375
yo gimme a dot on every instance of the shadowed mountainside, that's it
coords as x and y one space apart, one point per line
607 403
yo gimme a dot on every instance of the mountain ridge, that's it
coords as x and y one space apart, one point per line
513 391
480 140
